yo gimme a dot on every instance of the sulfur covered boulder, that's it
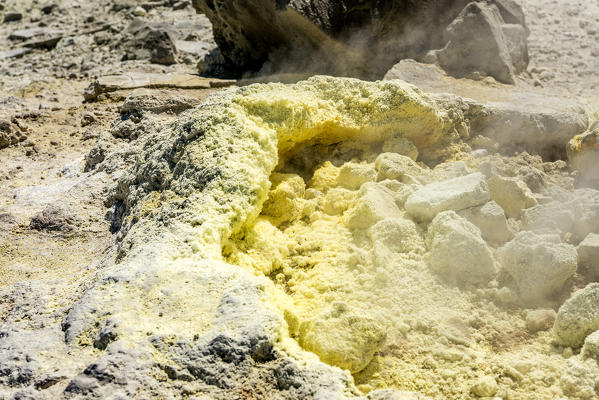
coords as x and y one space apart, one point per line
343 337
453 194
457 251
578 317
539 265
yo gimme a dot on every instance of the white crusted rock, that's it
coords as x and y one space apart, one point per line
511 194
373 204
457 251
353 175
578 317
540 265
550 217
490 219
453 194
588 256
398 167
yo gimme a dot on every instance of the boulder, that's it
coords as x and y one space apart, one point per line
453 194
150 43
511 194
476 43
401 145
397 167
353 175
578 213
457 251
373 204
539 265
491 221
578 317
539 320
394 236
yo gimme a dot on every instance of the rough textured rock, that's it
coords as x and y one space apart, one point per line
352 175
343 338
491 221
590 348
485 386
579 379
539 320
54 218
397 167
374 203
454 194
458 252
577 213
539 265
227 335
578 317
511 194
152 43
588 256
393 236
476 42
370 38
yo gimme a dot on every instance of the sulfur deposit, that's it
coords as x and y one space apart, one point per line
331 239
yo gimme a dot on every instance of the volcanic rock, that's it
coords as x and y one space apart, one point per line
296 36
540 265
453 194
458 252
476 43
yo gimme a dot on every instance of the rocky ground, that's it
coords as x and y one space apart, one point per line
95 304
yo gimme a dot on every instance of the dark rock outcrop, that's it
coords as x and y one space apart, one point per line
362 38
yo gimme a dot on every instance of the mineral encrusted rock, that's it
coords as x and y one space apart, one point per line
457 251
578 317
454 194
539 265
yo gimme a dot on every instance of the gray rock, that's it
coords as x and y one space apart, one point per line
33 33
157 101
11 16
8 135
457 251
54 218
14 53
475 42
539 265
151 43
